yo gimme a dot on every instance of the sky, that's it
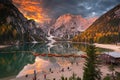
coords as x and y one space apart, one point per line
45 10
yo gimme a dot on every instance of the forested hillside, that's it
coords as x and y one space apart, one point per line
105 29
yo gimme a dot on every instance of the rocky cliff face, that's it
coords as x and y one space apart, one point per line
68 25
15 27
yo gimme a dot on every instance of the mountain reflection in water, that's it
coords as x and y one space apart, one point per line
12 63
43 64
15 58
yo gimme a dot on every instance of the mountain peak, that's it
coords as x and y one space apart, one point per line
69 16
69 24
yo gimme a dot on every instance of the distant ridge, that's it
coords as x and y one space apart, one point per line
105 29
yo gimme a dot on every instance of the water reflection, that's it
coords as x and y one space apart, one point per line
58 48
15 58
38 65
12 63
43 64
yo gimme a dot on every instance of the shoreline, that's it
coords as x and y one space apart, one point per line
108 46
4 46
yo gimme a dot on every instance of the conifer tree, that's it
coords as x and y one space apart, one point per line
91 70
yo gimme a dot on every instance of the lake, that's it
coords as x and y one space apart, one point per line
13 59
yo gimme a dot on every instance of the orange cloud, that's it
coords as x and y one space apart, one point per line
32 10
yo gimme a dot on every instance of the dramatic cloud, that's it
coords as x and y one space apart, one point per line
42 9
86 8
32 10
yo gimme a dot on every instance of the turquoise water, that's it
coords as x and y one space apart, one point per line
14 58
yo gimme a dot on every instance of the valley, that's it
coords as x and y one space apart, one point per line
59 40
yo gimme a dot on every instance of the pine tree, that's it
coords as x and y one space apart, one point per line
91 70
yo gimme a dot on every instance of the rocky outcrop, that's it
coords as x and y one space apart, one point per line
68 25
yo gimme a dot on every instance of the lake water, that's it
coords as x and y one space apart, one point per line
14 59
